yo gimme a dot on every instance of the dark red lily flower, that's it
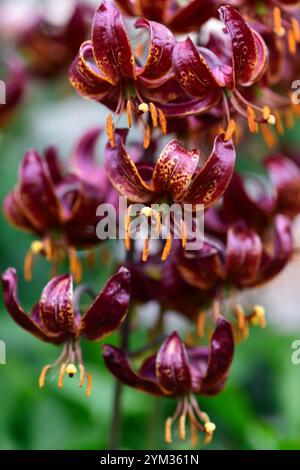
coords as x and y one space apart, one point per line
245 261
60 208
175 177
56 318
179 18
257 201
15 84
215 78
107 69
49 49
180 372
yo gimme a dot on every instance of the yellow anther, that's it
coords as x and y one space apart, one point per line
71 370
147 137
153 113
181 427
162 121
209 427
61 375
89 378
278 28
167 248
296 28
143 107
129 113
230 130
168 431
292 43
145 253
200 324
110 130
43 374
259 316
37 247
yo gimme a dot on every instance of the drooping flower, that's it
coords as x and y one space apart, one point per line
56 318
245 261
177 371
214 78
59 207
108 70
174 178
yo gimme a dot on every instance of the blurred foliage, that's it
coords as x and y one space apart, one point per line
259 408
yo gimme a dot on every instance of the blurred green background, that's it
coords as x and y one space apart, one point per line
259 408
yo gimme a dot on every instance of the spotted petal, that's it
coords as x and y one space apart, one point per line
29 323
109 309
212 179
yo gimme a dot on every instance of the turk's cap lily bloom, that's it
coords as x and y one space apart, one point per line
241 61
180 372
245 261
56 317
47 201
257 200
108 70
179 17
175 177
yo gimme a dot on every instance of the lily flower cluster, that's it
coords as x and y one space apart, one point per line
211 90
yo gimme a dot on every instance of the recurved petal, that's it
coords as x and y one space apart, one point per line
122 171
191 107
35 192
244 252
109 309
220 358
29 323
172 366
244 50
211 181
191 69
111 46
159 59
14 213
117 363
86 78
56 305
174 169
54 165
191 16
285 177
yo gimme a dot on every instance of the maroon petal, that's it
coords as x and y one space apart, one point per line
244 47
111 46
274 263
30 324
191 16
213 178
244 252
54 165
84 162
159 59
191 107
36 192
14 213
70 193
117 363
221 355
123 173
174 169
191 69
56 305
109 309
86 78
285 177
172 366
